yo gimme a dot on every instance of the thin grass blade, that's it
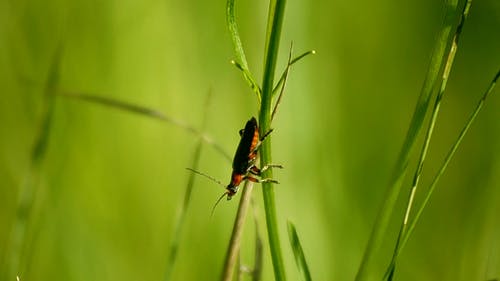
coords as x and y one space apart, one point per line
367 269
147 112
428 136
446 161
15 254
181 218
285 77
241 61
300 258
290 63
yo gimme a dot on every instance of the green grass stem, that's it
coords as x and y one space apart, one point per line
274 24
275 20
235 241
404 236
428 135
368 266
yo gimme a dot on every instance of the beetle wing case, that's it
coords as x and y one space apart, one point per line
248 141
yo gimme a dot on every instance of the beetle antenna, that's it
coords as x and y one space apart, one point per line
217 203
207 176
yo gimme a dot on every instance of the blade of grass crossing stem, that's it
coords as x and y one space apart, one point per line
15 254
367 267
148 112
449 156
285 77
241 61
274 24
300 258
285 72
428 136
176 237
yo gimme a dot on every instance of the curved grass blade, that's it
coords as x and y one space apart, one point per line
300 258
249 78
149 112
241 61
428 136
367 269
449 156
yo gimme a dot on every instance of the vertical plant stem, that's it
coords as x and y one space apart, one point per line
274 23
234 243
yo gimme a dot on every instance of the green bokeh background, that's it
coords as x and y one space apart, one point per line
111 182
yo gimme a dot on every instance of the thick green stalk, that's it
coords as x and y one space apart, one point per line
274 23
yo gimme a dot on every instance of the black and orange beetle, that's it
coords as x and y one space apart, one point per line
244 160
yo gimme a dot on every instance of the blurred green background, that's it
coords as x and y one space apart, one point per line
110 184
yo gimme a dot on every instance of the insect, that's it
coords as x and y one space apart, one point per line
244 160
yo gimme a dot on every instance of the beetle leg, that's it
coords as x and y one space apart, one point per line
252 179
270 166
256 171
